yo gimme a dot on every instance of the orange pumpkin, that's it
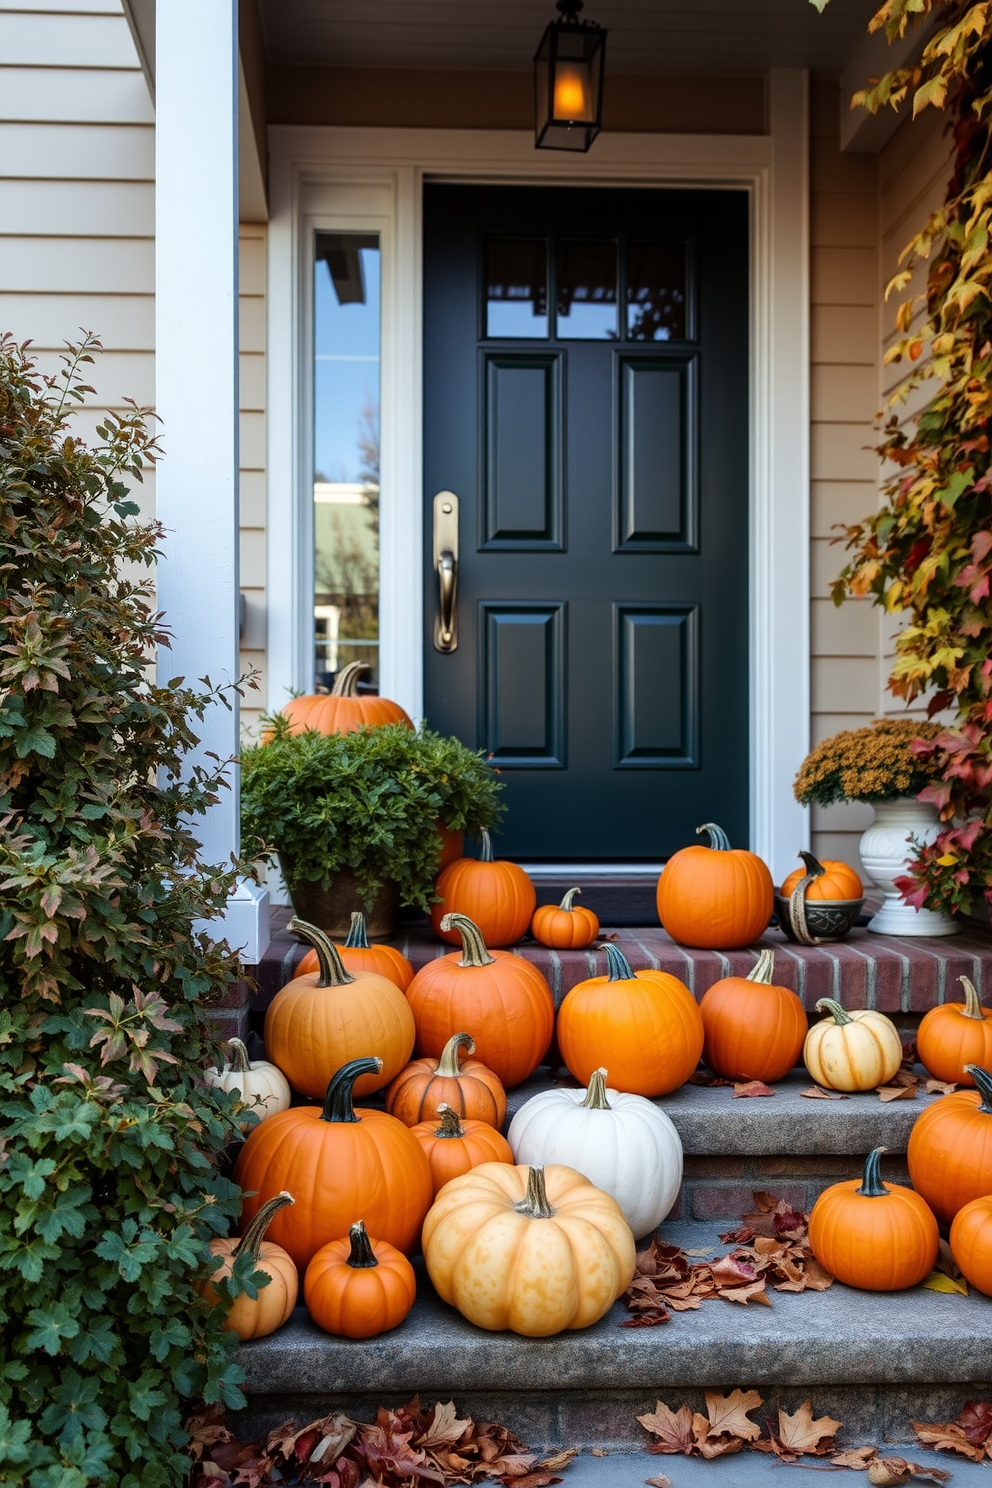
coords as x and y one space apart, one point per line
502 998
971 1242
325 1017
358 1287
645 1027
717 898
496 896
754 1030
258 1316
358 955
565 927
454 1147
342 709
865 1242
471 1088
831 879
452 845
956 1035
949 1153
343 1164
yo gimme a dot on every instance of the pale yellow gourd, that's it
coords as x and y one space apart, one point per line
261 1086
852 1051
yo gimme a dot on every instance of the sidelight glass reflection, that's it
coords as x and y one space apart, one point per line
517 288
656 292
587 290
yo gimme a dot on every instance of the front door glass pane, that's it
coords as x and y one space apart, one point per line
346 455
517 288
656 292
587 291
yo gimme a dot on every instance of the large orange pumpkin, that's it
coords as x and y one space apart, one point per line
501 999
831 879
871 1236
326 1017
717 897
645 1027
949 1153
343 1164
359 1287
497 896
343 708
565 926
971 1242
955 1035
754 1030
470 1088
454 1147
258 1316
357 954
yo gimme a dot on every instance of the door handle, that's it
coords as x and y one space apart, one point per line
446 569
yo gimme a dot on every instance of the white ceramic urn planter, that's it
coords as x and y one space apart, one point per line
885 852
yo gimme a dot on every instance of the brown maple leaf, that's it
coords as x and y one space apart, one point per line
728 1414
948 1437
854 1457
816 1092
672 1428
443 1427
712 1446
798 1435
746 1089
895 1092
889 1472
730 1270
940 1087
557 1460
647 1319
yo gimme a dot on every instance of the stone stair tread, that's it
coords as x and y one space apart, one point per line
629 1469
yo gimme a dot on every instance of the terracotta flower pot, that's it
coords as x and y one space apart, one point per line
330 909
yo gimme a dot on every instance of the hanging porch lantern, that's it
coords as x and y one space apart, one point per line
568 82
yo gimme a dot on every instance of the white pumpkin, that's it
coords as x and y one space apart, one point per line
622 1143
262 1086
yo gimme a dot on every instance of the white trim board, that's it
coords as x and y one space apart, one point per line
372 179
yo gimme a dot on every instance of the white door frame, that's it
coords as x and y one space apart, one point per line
372 180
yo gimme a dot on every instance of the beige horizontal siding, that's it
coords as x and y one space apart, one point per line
79 38
42 150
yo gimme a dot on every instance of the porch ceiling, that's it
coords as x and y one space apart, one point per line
651 36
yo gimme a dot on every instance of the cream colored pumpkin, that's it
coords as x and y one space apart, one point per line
852 1051
533 1250
622 1143
261 1086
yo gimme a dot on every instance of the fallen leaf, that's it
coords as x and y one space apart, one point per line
905 1076
799 1435
562 1459
728 1414
756 1292
672 1428
948 1437
659 1482
938 1281
895 1092
703 1077
444 1427
598 1452
854 1457
751 1088
940 1087
975 1420
889 1472
816 1092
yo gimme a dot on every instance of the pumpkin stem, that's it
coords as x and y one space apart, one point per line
972 1006
339 1100
763 968
251 1240
567 898
450 1124
983 1082
797 911
240 1064
332 972
362 1255
872 1186
835 1010
535 1205
358 935
346 681
719 840
486 854
474 951
814 868
617 963
596 1094
447 1065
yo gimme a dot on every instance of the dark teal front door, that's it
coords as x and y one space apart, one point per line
586 399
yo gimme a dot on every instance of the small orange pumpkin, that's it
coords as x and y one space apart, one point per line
453 1147
497 896
955 1035
358 1287
342 709
949 1153
566 926
357 954
258 1316
831 879
879 1238
470 1088
754 1030
971 1242
716 898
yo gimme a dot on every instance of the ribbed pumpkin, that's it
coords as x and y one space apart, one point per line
256 1317
357 954
753 1030
871 1236
831 879
452 845
501 998
852 1051
358 1287
343 1164
566 926
261 1087
949 1153
469 1088
324 1018
955 1035
454 1147
342 709
646 1028
496 896
717 897
971 1242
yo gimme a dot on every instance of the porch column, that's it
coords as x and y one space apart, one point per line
196 370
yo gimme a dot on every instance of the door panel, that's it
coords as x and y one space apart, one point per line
586 397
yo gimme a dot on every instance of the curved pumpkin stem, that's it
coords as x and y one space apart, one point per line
251 1240
450 1124
345 683
358 935
797 910
719 840
836 1011
332 970
872 1186
240 1064
535 1204
339 1102
596 1093
362 1256
486 852
972 1004
763 968
447 1065
814 868
567 898
617 963
983 1083
474 951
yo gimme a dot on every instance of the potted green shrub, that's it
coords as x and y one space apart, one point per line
354 818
